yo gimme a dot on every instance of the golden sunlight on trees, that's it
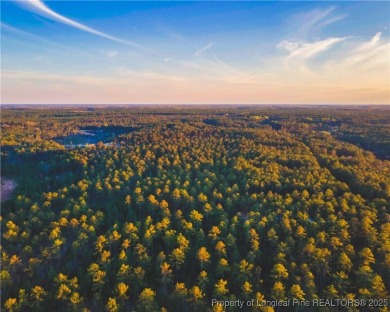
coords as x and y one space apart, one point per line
176 207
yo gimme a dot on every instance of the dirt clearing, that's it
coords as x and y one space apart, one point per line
7 187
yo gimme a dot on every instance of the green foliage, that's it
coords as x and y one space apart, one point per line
196 204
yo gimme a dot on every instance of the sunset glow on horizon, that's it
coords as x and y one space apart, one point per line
84 52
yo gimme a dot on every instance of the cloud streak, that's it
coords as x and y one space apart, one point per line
368 55
40 8
24 34
300 54
350 65
313 22
310 49
202 50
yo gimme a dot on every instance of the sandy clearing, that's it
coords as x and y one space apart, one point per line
7 187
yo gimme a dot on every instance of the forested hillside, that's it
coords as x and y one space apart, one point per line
170 208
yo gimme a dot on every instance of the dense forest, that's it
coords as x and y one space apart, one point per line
167 208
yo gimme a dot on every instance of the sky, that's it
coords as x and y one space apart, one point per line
221 52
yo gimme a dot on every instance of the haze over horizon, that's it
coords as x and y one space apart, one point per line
84 52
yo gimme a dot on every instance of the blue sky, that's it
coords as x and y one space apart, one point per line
195 52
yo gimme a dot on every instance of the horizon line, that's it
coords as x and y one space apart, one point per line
192 104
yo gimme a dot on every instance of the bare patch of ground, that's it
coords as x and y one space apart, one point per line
7 187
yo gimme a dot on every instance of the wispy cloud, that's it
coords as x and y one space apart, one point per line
304 44
350 65
27 35
369 55
288 45
40 8
308 49
312 22
110 54
55 48
301 54
372 44
202 50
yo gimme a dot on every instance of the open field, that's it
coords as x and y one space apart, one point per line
143 208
